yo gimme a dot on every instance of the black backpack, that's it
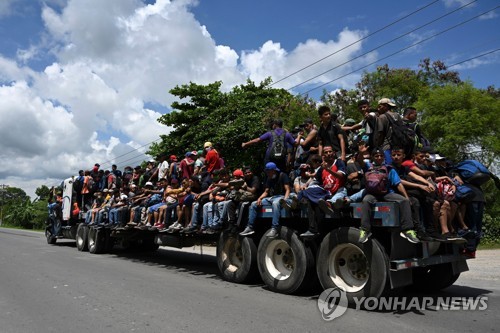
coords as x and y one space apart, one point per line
278 149
401 135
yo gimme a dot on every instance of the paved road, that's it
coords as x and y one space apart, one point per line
58 289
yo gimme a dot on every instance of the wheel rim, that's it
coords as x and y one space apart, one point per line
79 238
91 238
233 254
348 267
280 259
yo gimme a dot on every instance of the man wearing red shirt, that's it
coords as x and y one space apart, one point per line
212 160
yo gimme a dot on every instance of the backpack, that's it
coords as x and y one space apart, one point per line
402 135
377 180
278 149
463 193
445 191
473 172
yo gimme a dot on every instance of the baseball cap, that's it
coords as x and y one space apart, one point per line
148 184
173 157
238 173
271 166
207 144
386 101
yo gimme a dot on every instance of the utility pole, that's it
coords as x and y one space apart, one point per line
3 187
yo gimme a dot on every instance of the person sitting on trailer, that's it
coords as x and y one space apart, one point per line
248 192
277 187
330 179
383 191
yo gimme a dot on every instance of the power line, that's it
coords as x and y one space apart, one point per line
130 152
383 44
401 50
312 64
358 41
478 56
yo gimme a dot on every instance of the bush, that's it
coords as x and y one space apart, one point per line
491 230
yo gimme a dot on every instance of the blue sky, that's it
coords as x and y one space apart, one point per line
84 81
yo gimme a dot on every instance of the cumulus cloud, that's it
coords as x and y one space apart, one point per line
6 7
113 62
272 60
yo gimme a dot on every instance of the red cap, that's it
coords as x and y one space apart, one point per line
238 173
173 157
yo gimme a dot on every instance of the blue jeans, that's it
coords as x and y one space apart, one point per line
113 216
358 196
194 217
275 202
340 194
88 216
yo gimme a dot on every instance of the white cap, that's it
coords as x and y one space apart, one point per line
387 101
148 184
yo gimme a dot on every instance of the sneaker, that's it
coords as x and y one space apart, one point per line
410 236
247 232
364 235
285 205
190 230
424 237
452 237
325 206
466 233
341 203
273 233
469 254
309 234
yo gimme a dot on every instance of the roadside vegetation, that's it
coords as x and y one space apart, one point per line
460 120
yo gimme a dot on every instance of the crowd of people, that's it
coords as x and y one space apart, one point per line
320 168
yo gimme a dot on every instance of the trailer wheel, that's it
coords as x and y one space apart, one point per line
286 265
433 278
236 258
96 240
82 237
51 239
359 269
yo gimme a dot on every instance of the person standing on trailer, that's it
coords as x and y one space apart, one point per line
280 147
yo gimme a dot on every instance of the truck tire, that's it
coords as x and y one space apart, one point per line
286 265
362 270
51 239
433 278
237 258
82 237
96 240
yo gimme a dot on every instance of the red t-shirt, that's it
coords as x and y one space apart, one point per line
212 160
329 181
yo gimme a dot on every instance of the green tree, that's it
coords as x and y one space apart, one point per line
229 118
462 121
21 213
42 192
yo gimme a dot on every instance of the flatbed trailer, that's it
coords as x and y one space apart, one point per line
287 264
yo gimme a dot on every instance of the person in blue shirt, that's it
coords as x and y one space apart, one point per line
276 132
277 187
393 182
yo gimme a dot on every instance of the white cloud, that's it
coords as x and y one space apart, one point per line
272 60
6 7
488 16
113 61
457 3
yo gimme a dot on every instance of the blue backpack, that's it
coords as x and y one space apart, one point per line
473 172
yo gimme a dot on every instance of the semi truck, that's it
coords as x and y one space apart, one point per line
288 264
